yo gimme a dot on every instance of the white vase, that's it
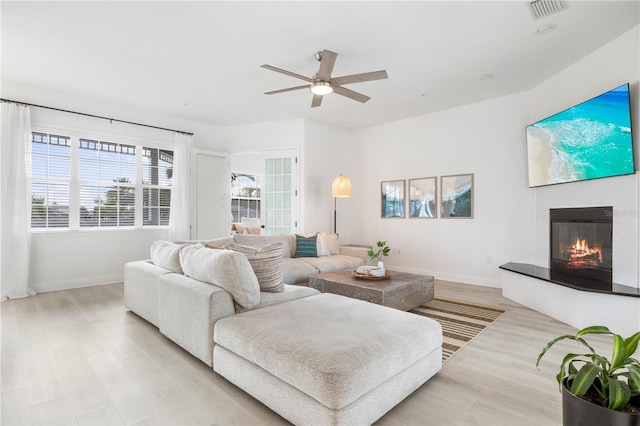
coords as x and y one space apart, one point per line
380 264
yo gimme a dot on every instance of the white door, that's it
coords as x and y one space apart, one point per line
212 196
280 194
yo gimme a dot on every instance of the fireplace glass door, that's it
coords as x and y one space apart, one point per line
582 246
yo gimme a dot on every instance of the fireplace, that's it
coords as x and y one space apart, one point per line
581 251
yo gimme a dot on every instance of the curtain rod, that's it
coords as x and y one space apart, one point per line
95 116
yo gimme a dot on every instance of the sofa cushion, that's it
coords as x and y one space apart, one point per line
296 271
265 262
228 269
333 263
333 348
263 240
306 246
328 244
166 254
290 292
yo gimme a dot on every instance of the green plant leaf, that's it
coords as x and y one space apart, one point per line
619 394
594 329
550 344
633 374
632 344
567 370
584 379
619 352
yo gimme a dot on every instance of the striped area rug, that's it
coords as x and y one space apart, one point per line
461 321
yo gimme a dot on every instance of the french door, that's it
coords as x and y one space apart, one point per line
280 192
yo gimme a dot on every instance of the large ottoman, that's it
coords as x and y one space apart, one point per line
328 359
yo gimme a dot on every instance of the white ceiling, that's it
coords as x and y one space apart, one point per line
201 60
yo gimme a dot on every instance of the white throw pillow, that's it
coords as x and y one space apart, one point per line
327 244
225 268
166 254
265 261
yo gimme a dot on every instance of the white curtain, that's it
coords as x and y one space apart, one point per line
180 219
15 199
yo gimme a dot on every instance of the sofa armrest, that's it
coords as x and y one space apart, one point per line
188 310
355 251
141 288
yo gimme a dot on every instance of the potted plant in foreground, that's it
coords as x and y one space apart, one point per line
597 390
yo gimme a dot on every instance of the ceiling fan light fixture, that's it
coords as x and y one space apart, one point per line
321 88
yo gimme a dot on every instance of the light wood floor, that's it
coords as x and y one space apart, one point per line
79 357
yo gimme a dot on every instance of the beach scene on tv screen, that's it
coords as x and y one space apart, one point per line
588 141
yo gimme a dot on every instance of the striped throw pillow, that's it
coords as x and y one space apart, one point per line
306 246
265 262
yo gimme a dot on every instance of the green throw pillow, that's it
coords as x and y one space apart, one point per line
306 246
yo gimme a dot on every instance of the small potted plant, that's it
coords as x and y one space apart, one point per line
383 250
597 390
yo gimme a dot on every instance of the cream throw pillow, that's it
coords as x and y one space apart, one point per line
166 254
265 261
327 244
225 268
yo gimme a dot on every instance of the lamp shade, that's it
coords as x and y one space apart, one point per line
341 186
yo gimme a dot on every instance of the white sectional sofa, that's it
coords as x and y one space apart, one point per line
180 305
313 358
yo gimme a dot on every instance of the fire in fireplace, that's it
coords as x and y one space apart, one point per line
581 251
580 255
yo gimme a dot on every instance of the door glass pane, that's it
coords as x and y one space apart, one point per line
279 193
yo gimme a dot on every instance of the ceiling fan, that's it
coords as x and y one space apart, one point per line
322 83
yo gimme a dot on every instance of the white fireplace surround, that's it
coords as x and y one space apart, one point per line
620 192
575 307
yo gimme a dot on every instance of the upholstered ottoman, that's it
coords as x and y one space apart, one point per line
328 359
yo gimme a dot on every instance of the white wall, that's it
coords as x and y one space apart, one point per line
68 259
329 151
486 139
616 63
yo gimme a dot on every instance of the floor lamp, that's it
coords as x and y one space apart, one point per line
341 188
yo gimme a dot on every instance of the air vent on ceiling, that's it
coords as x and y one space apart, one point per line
542 8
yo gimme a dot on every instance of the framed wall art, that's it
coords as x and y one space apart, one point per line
392 197
456 197
423 198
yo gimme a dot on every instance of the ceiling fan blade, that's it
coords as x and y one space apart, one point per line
316 101
327 61
289 89
289 73
350 94
359 78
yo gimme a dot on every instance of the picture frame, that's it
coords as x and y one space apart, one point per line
456 200
392 199
423 198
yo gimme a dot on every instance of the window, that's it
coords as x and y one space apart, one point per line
107 176
90 183
50 165
245 196
157 172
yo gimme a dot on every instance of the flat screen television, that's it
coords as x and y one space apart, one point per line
590 140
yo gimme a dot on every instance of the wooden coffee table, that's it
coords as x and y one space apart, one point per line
401 290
